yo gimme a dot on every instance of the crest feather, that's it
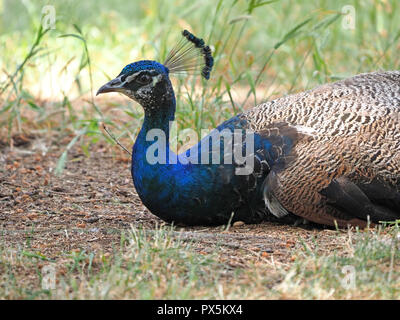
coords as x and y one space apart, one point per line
189 55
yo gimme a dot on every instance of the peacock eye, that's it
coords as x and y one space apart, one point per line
143 79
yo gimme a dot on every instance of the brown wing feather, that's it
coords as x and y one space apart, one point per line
356 133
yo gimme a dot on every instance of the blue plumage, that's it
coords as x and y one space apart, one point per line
204 192
195 193
144 65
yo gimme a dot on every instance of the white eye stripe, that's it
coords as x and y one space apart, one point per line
155 79
131 77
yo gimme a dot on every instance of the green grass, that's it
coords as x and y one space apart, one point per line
147 265
159 264
263 50
372 257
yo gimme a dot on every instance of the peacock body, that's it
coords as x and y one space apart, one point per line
330 155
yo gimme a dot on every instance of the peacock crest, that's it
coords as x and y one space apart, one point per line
190 54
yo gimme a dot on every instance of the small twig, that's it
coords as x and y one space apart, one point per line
229 222
116 141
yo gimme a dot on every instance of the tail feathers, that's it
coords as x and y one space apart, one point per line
382 195
358 200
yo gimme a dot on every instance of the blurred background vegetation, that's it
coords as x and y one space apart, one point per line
262 49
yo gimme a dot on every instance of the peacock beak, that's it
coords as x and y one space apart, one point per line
115 85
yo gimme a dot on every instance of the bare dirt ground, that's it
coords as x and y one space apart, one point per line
88 206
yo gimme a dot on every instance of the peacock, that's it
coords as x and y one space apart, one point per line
329 156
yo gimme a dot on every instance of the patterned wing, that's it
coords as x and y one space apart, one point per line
355 130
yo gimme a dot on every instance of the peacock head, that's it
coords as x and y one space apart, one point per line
148 83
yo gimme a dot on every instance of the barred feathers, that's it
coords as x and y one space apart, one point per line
346 166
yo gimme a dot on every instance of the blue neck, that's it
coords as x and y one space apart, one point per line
149 179
157 118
